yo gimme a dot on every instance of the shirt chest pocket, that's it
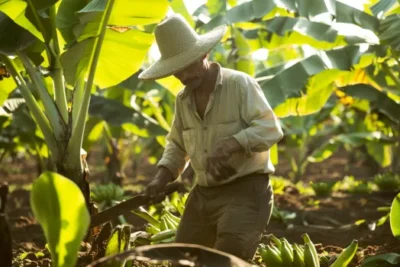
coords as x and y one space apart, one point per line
189 141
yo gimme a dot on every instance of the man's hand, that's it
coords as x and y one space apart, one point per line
217 163
157 185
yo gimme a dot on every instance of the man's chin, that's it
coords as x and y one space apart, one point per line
193 86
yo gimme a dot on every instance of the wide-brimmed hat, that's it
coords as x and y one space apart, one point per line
179 46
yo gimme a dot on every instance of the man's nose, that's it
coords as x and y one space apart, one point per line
181 75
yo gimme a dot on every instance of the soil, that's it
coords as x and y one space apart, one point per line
329 221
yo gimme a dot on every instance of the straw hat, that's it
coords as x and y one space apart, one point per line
179 46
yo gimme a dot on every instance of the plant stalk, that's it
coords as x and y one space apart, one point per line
58 78
33 106
75 143
56 122
77 100
42 29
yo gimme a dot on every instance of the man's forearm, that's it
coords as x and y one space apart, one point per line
164 174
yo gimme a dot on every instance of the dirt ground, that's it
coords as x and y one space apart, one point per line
329 221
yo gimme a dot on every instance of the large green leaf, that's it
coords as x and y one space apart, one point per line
381 260
311 9
249 11
319 31
378 100
382 6
291 81
216 6
67 18
94 130
131 12
59 206
114 113
302 125
122 53
307 104
118 242
138 12
15 10
395 216
381 153
179 7
43 4
124 13
121 56
389 31
243 60
7 85
13 37
348 14
353 139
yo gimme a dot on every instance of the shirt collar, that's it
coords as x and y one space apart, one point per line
218 82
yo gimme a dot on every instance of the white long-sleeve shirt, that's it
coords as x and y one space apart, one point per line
237 107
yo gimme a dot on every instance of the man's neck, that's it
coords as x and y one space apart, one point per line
208 85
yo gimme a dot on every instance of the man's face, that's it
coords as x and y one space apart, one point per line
193 75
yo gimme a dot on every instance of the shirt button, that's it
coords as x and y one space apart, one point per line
205 150
205 128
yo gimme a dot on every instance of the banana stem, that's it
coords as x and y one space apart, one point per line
51 111
58 78
33 106
75 144
77 100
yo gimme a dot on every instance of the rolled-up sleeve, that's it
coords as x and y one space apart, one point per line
173 157
264 129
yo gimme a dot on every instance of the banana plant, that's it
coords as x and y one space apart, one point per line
19 133
313 50
59 53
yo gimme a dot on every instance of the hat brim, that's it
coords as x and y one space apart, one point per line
166 67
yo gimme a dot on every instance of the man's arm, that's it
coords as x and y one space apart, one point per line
174 154
173 158
264 128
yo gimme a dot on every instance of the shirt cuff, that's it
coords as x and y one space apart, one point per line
242 139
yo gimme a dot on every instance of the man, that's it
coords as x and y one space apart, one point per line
225 125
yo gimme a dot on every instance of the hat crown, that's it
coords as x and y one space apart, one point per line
174 35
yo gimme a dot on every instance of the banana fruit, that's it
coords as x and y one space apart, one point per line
346 256
280 253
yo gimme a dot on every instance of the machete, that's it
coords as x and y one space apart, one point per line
130 204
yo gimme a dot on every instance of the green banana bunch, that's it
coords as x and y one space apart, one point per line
107 193
163 236
271 256
171 221
286 253
162 230
144 214
280 253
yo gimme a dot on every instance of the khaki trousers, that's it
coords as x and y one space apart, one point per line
230 217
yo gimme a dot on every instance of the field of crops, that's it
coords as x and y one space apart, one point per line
332 218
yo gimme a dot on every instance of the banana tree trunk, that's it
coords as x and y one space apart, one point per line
81 177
